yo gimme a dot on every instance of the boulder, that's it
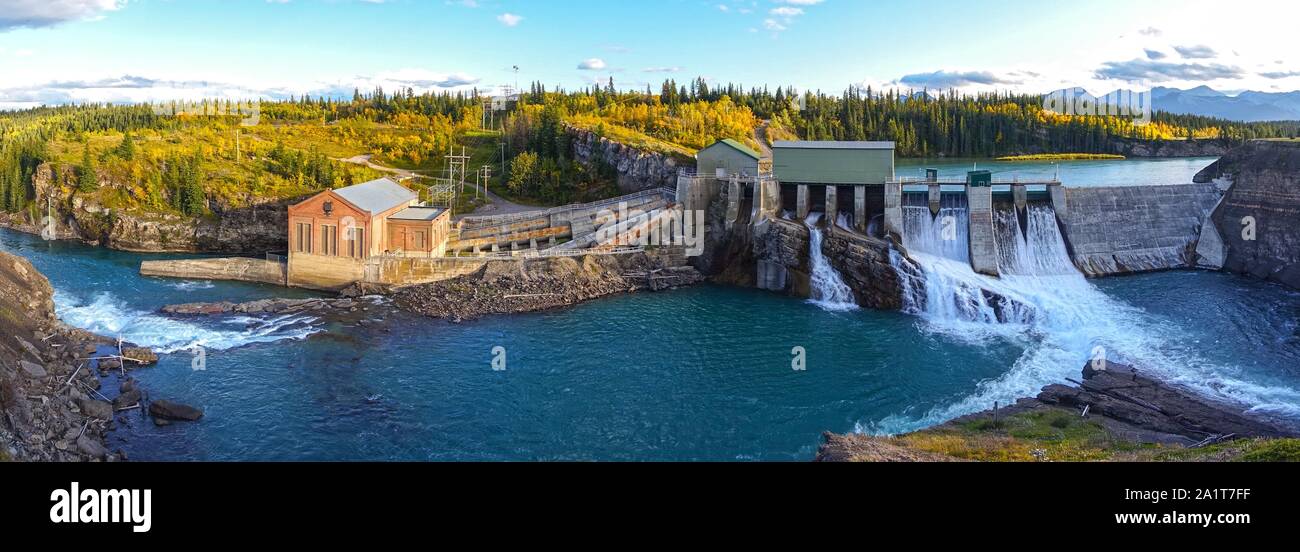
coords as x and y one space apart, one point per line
169 410
32 370
96 409
127 399
91 447
140 355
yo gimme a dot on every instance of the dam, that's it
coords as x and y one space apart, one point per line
852 187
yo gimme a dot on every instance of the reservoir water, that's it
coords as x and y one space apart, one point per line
1128 172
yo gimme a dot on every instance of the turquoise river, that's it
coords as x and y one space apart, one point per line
695 374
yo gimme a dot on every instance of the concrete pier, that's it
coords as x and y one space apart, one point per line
1059 203
860 208
983 241
801 201
894 208
1020 195
936 197
237 269
832 204
735 192
769 194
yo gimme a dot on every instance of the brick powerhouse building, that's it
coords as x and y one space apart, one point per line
384 217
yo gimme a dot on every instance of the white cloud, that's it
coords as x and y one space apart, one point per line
16 14
593 64
510 19
786 11
135 89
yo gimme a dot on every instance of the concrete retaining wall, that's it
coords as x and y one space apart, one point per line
408 271
1120 230
239 269
324 272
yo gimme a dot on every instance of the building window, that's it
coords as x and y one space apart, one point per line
356 242
304 237
329 240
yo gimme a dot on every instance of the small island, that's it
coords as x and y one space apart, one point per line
1064 157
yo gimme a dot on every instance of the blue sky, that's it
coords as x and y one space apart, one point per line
75 50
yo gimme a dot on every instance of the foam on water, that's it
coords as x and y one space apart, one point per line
191 285
104 314
1045 305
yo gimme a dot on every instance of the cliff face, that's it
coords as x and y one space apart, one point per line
637 170
1257 224
248 230
864 264
1170 148
50 406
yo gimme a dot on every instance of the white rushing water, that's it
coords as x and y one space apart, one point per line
828 289
105 315
1044 304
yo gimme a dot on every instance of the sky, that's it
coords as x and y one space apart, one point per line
61 51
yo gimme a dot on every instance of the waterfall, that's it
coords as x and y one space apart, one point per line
828 289
1042 304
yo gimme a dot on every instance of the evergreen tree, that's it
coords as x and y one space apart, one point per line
87 178
126 149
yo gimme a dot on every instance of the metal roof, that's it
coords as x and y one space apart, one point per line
417 213
808 144
377 196
742 148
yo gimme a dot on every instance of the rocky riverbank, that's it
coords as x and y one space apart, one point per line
534 285
53 404
1116 413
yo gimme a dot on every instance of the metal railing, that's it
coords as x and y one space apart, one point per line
495 220
553 252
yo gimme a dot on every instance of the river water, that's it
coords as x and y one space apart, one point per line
695 374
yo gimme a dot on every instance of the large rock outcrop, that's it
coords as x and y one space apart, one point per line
1104 416
1170 148
637 169
1256 227
864 264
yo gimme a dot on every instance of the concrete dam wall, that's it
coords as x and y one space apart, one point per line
1123 230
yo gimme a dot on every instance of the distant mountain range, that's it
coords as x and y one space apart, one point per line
1247 106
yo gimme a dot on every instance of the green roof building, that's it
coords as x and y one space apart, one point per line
726 158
